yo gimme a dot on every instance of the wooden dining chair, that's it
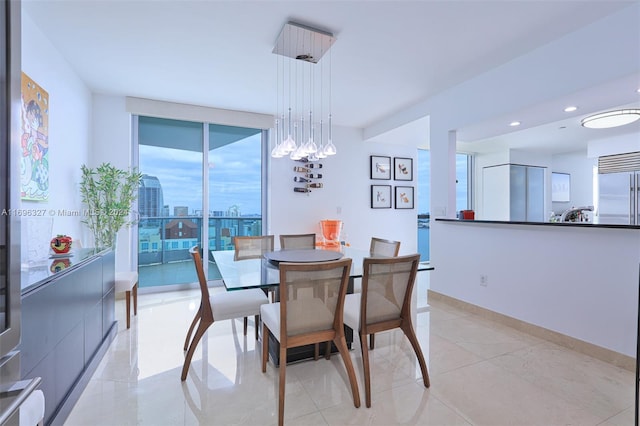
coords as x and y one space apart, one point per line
297 241
219 307
252 247
384 304
303 318
382 247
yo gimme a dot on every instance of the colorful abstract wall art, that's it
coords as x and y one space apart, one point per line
34 158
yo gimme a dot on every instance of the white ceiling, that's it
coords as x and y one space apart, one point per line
388 55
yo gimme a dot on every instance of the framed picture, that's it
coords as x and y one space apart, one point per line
380 196
34 166
560 187
402 168
404 197
380 167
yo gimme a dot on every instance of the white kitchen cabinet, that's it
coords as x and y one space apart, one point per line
513 192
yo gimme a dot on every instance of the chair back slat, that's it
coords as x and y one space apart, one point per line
312 296
252 247
202 280
298 241
387 285
381 247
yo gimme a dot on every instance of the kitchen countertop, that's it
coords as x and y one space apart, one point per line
561 224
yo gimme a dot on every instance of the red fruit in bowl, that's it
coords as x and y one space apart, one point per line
61 244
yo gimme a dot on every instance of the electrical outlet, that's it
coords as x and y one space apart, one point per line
484 280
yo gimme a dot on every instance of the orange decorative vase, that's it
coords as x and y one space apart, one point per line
331 230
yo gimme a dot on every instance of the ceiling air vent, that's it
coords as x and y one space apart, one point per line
628 162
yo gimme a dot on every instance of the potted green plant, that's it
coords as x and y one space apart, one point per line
108 193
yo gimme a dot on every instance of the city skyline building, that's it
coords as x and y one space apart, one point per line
150 197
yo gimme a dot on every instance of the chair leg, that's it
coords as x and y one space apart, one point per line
265 347
193 324
372 341
135 299
127 296
411 335
202 327
283 380
316 351
257 324
327 351
245 325
341 344
367 369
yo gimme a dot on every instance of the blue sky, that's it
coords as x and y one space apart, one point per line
234 175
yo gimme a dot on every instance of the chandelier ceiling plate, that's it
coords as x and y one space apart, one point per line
298 41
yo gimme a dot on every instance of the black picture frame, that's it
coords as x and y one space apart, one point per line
402 168
404 197
380 167
380 196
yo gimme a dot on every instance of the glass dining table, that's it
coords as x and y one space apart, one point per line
264 273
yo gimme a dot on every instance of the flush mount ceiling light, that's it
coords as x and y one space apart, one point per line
570 108
514 123
303 90
610 119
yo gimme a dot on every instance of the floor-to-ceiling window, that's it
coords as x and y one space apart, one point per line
463 194
234 184
201 186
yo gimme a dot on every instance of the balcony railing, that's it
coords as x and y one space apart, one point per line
164 243
169 238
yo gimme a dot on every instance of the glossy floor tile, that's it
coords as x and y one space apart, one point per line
482 373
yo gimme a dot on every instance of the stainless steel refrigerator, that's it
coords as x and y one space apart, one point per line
619 198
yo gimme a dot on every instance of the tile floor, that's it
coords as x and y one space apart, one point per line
482 373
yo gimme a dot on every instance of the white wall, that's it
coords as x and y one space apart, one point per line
112 144
69 129
615 145
346 195
578 281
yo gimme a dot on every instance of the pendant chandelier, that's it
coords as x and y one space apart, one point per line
303 111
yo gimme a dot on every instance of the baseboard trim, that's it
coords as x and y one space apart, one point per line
598 352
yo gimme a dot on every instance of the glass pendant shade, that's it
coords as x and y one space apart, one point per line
313 148
276 152
330 148
289 145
